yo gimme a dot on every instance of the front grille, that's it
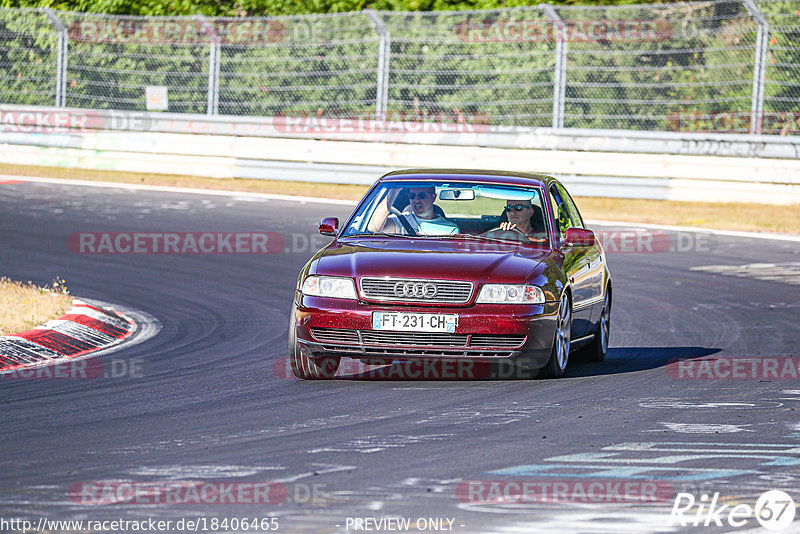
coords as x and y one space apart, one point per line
334 335
496 340
447 291
416 339
419 339
445 353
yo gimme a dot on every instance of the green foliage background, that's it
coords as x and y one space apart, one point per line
327 65
257 8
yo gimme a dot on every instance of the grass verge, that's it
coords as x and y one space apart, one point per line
722 216
25 305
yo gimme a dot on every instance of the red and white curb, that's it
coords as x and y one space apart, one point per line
86 328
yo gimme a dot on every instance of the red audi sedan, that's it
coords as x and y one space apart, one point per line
450 265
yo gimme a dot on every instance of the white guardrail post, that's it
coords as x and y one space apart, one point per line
560 70
212 108
61 55
384 52
760 66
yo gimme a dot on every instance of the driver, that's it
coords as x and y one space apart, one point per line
419 215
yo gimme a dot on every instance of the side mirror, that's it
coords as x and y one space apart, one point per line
328 226
579 237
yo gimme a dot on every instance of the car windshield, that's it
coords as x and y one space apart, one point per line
452 209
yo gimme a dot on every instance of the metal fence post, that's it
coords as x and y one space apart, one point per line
384 51
61 55
760 67
212 107
560 74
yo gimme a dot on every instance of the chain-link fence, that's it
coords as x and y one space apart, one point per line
717 65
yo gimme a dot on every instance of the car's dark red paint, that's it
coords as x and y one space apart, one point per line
572 274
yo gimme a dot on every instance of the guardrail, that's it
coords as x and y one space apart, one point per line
704 167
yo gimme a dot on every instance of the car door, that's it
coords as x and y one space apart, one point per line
577 263
593 258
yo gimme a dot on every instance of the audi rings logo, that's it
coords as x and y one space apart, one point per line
419 290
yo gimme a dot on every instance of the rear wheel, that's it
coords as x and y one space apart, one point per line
306 367
559 356
596 351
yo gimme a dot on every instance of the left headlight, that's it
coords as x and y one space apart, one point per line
329 286
510 294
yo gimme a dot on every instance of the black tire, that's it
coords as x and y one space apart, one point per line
309 368
596 350
559 355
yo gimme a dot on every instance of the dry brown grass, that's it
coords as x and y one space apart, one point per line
279 187
24 305
723 216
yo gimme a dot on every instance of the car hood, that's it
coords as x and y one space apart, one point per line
476 261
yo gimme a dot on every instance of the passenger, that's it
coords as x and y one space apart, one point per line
420 215
519 214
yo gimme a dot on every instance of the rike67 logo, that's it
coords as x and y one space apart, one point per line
774 510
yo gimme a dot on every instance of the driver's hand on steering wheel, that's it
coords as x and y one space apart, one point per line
507 226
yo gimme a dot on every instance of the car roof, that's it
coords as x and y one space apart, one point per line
470 175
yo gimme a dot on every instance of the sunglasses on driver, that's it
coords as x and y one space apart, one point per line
422 196
517 207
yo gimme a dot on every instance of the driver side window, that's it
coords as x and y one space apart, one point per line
561 213
574 215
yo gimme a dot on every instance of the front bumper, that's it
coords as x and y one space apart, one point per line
338 327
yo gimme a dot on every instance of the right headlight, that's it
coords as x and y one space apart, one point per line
330 286
510 294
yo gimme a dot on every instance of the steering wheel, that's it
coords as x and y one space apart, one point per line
520 235
401 219
500 228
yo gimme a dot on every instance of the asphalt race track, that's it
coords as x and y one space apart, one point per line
210 400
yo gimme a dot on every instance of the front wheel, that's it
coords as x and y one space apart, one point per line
559 356
306 367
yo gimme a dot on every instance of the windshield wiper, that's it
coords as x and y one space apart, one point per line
375 234
486 238
499 239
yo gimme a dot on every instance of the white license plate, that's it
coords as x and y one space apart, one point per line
414 322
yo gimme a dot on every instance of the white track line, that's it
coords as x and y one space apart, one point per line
303 199
731 233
